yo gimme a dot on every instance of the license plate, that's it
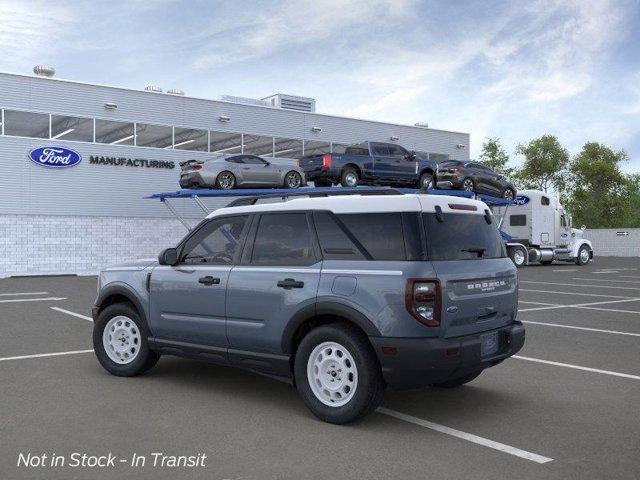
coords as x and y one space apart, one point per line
488 344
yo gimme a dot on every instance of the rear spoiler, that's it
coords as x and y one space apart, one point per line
190 162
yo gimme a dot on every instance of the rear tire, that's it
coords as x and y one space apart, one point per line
120 329
349 178
225 180
468 185
426 181
508 194
292 180
457 382
337 374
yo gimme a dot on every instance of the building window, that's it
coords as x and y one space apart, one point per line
312 147
190 139
258 145
287 148
26 124
224 142
157 136
72 128
114 133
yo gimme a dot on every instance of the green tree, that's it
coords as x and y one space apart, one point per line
545 164
600 193
495 156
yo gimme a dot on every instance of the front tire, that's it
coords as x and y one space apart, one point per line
584 255
508 194
337 374
518 256
292 179
120 341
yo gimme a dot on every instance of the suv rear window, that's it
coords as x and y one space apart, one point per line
460 236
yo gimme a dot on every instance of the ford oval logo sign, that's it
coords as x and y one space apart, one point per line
521 200
55 157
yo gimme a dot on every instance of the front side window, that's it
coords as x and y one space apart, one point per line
215 243
381 150
545 201
462 236
397 151
283 239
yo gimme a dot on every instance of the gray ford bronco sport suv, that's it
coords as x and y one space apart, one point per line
346 294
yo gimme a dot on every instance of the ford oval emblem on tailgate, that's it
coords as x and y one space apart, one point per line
55 157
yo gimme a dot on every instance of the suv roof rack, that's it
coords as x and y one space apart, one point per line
314 193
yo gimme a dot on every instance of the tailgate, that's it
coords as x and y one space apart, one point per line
477 295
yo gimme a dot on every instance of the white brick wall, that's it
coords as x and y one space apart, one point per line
608 243
38 244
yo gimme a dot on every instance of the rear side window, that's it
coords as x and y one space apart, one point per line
544 200
379 233
357 151
334 239
517 220
462 236
283 239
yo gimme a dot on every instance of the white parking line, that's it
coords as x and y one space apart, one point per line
567 270
539 303
615 332
575 293
583 305
23 293
485 442
40 355
607 309
47 299
73 314
578 367
605 272
606 280
581 285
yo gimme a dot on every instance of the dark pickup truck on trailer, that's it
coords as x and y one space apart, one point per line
370 163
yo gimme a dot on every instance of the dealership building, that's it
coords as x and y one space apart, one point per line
127 144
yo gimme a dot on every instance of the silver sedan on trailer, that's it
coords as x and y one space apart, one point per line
241 170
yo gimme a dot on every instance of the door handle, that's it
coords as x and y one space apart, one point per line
289 283
209 280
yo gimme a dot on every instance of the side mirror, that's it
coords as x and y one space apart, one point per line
168 256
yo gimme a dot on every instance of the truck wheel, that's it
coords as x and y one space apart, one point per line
120 341
583 255
426 181
456 382
468 185
337 374
518 256
508 194
349 178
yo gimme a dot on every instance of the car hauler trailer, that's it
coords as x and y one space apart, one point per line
537 229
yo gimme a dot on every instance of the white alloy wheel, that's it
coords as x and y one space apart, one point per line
518 257
584 255
332 374
121 340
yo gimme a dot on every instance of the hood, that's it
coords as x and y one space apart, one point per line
139 264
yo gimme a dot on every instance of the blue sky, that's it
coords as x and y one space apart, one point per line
514 70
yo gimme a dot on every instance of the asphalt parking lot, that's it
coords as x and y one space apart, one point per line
566 408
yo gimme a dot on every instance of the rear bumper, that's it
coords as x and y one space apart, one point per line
319 173
448 181
419 362
190 180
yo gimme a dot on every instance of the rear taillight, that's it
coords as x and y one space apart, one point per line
197 167
454 169
326 160
422 299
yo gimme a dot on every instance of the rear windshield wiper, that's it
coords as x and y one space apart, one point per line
479 250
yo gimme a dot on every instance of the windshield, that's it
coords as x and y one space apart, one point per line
462 236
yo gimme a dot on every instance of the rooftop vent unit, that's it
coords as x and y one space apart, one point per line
44 71
175 91
292 102
244 100
422 124
153 88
